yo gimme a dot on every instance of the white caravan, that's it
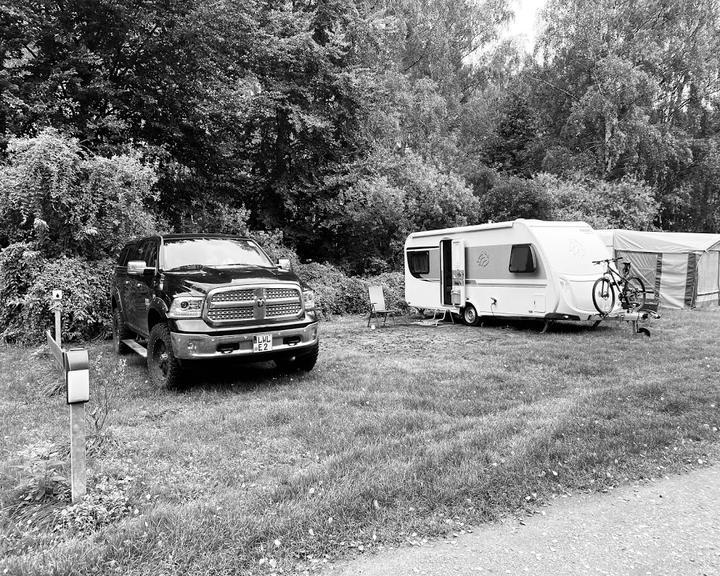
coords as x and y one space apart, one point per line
523 268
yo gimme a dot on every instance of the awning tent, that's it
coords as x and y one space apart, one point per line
679 269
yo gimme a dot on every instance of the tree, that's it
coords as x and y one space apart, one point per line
627 88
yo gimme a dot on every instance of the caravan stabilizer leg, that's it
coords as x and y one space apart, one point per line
545 327
638 330
634 319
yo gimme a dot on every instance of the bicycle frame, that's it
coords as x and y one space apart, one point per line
620 282
616 278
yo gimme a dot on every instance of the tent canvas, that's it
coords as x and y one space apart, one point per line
679 269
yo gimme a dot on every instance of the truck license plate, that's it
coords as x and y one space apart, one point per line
262 343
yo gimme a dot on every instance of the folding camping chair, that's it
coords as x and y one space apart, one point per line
377 305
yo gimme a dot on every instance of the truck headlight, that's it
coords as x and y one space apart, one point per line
309 299
186 307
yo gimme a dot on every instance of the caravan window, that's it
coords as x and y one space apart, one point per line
522 259
419 262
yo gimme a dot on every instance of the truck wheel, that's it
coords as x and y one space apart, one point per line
304 362
164 369
120 332
470 315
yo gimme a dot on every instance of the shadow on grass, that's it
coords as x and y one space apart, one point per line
519 324
235 376
537 325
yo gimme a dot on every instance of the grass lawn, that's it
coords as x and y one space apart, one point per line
399 433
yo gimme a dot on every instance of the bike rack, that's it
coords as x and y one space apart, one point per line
633 318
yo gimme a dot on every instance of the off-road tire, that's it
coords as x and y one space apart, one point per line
470 315
302 362
164 369
120 332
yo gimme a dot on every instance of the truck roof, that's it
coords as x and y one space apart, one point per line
187 236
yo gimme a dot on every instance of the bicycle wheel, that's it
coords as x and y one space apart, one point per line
603 295
634 293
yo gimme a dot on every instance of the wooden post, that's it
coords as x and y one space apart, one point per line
74 364
77 452
58 319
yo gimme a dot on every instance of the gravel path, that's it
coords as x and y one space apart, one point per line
666 527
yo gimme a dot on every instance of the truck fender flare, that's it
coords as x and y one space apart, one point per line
158 306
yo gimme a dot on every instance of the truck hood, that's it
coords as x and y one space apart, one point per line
207 278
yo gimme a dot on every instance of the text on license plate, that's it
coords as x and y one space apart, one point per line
262 343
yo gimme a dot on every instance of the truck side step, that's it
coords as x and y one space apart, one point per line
135 347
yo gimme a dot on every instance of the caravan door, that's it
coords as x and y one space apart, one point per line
458 273
452 273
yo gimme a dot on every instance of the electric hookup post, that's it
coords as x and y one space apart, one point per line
76 367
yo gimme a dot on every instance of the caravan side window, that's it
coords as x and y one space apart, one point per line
419 262
522 259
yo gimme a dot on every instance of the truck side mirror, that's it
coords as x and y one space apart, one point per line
284 264
136 267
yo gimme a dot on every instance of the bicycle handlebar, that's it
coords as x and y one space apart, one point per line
607 260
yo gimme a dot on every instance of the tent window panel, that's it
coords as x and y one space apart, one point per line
644 265
708 275
419 262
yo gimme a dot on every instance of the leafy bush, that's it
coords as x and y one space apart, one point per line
66 201
214 216
393 284
512 197
368 211
19 266
26 282
273 242
338 293
381 219
63 214
627 203
435 199
335 292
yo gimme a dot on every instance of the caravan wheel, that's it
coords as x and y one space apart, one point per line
470 315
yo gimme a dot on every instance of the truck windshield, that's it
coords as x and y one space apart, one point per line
189 253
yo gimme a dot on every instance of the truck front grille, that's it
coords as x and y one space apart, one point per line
280 293
230 314
245 306
275 310
234 296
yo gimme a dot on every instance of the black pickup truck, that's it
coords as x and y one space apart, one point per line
179 297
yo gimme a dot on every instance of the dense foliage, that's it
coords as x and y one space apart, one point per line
64 212
346 124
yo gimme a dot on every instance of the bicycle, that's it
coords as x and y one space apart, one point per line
630 289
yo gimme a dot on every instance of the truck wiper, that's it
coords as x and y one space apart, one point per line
186 267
